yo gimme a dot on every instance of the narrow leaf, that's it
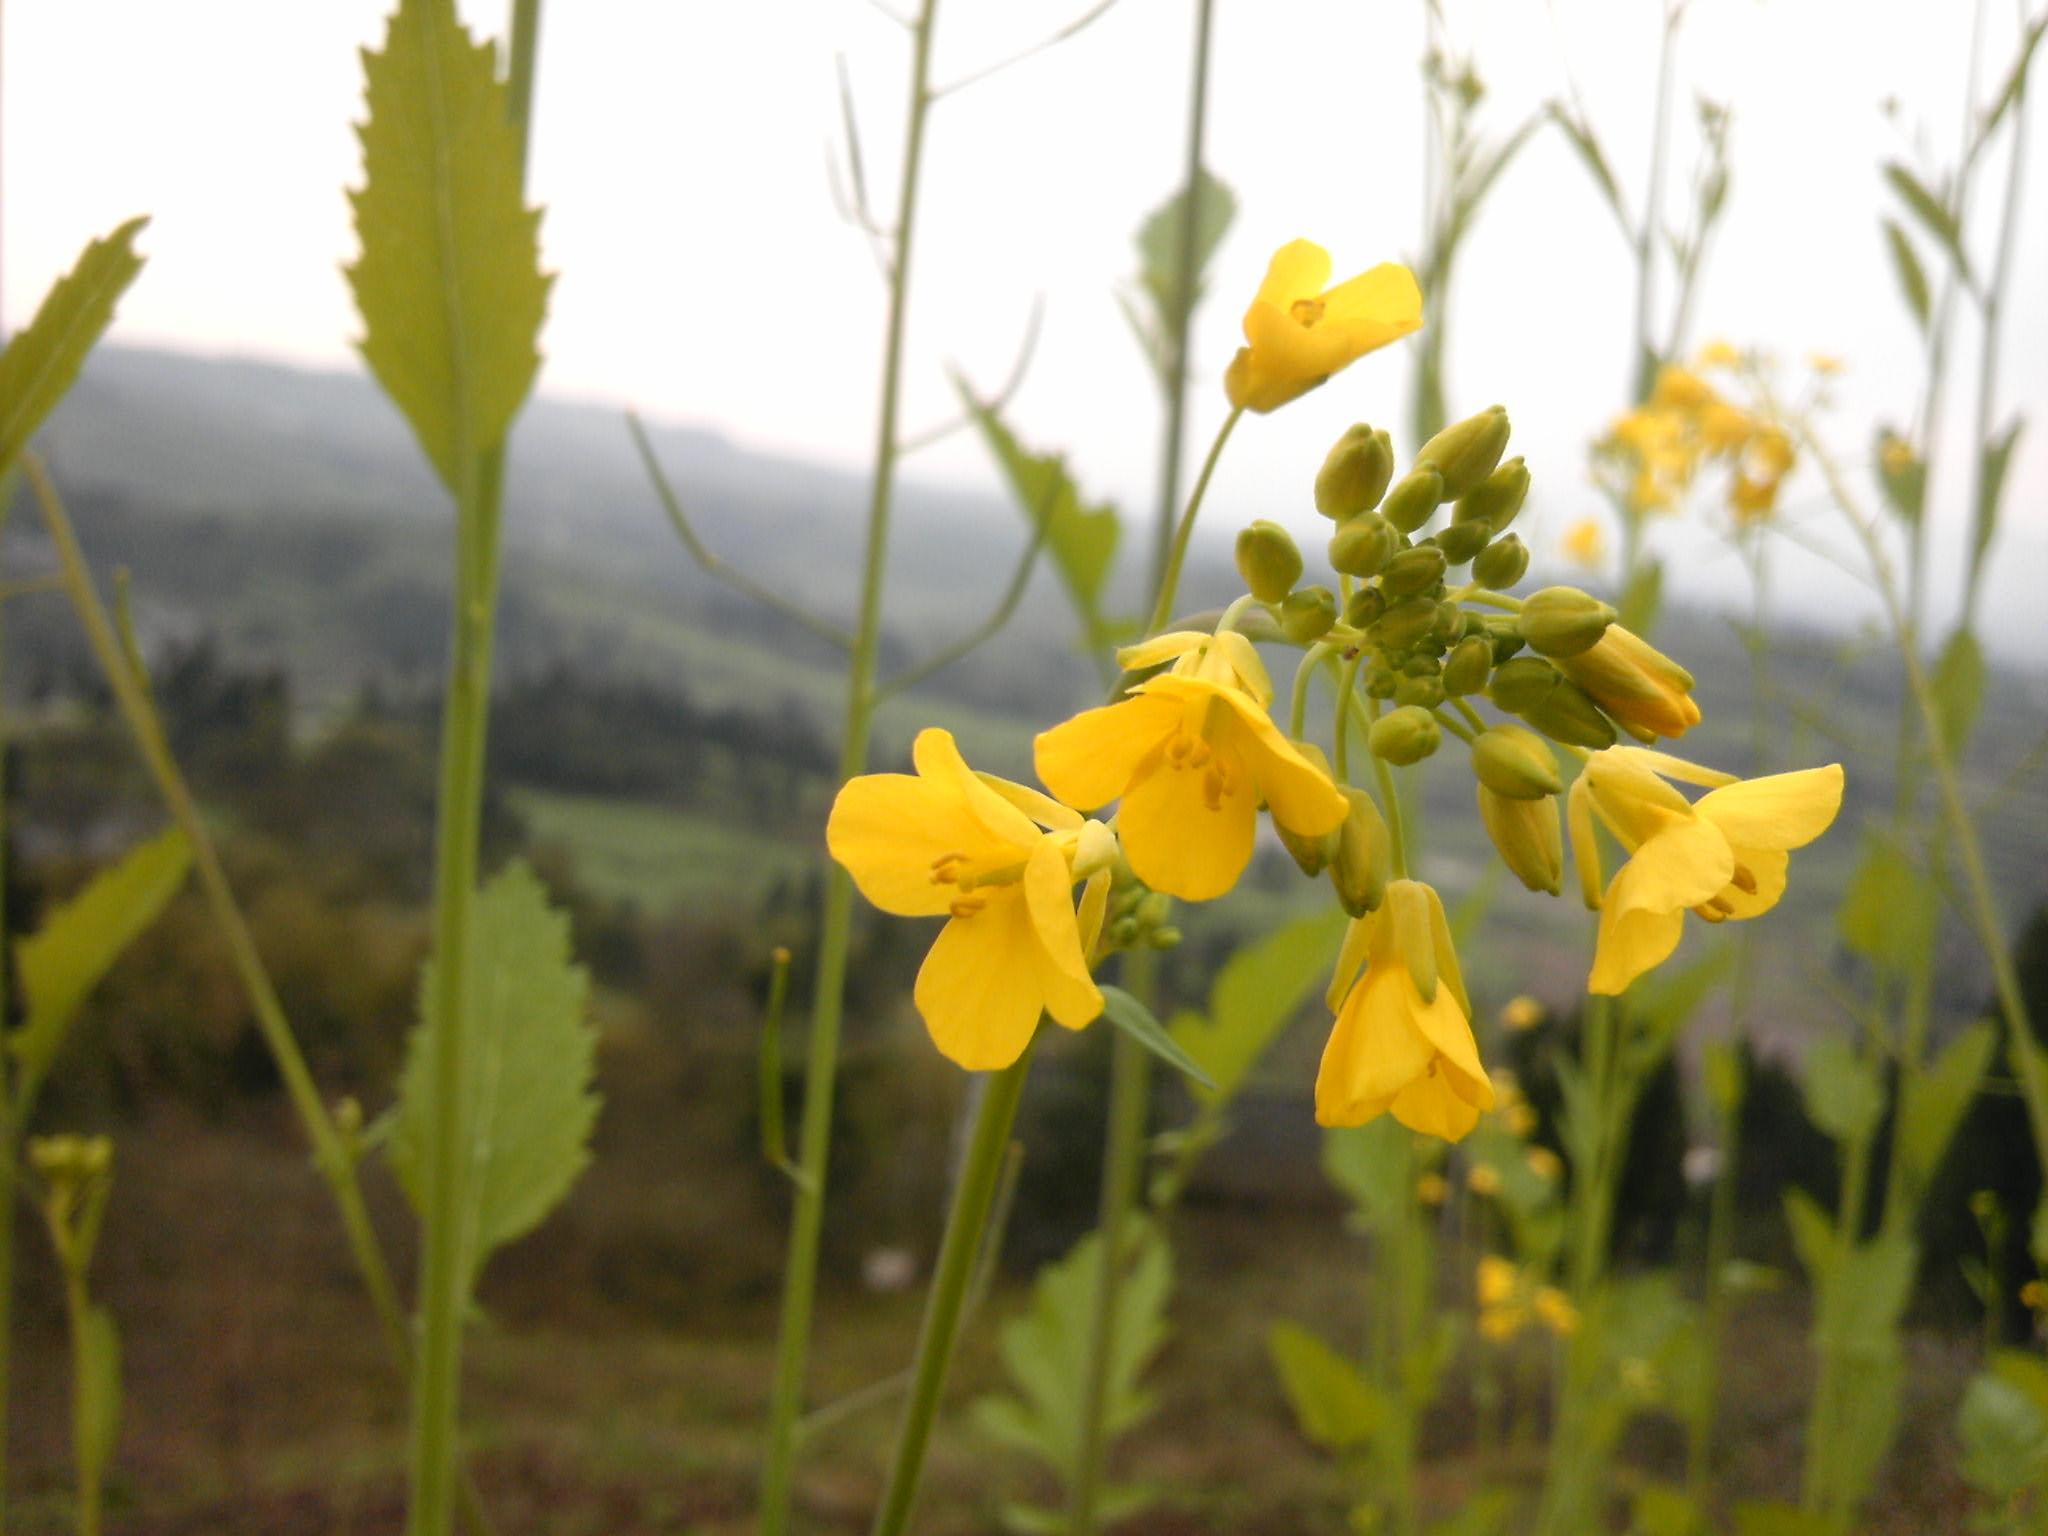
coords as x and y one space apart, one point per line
78 944
1933 1102
1959 682
1334 1405
1135 1020
41 363
528 1106
1889 912
1928 209
1588 146
1997 456
1912 276
1813 1235
448 284
2015 78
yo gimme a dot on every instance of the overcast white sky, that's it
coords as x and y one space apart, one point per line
680 152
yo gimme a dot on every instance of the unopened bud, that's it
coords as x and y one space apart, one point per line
1362 544
1450 622
1426 690
1528 838
1465 452
1467 667
1521 684
1568 714
1312 854
1307 614
1461 541
1362 863
1380 679
1365 607
1414 500
1497 498
1162 938
1502 563
1153 909
1404 623
1407 735
1354 476
1516 763
1268 561
1412 570
1563 621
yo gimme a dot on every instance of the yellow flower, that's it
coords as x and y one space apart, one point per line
1718 354
1190 753
1642 688
1681 389
1000 860
1586 543
1520 1013
1300 334
1483 1180
1725 855
1895 454
1508 1298
1545 1164
1432 1189
1555 1310
1403 1038
1824 363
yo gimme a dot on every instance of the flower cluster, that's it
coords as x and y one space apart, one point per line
1652 455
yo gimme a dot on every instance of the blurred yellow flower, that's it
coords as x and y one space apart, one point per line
1555 1311
1509 1298
1545 1164
1724 856
1895 455
1432 1189
1483 1180
1719 354
1190 754
1585 542
1521 1013
1000 861
1300 330
1403 1037
1642 688
1824 363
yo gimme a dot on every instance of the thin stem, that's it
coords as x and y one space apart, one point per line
1721 1214
821 1062
1397 831
1087 18
983 632
972 1197
1176 556
1646 232
9 1130
1297 710
1340 733
1988 357
77 1312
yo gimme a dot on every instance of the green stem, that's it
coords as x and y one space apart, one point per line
1340 726
1646 233
1721 1214
77 1309
1397 832
821 1062
1818 1491
1169 581
1297 712
972 1196
9 1131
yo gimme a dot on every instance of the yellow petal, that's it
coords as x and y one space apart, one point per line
1094 906
1681 866
1300 269
1385 296
1578 804
1041 808
1089 760
1673 767
1633 939
980 989
1350 958
1170 646
939 761
1445 1025
1767 868
1431 1105
1302 798
1447 970
888 829
1188 831
1784 810
1071 996
1374 1050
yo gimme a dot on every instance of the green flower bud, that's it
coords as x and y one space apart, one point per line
1497 498
1465 452
1412 570
1365 607
1502 563
1461 541
1527 837
1563 621
1426 691
1312 854
1162 938
1380 679
1153 908
1268 561
1414 500
1404 623
1407 735
1522 684
1355 474
1569 714
1516 763
1307 614
1450 622
1468 666
1362 544
1362 863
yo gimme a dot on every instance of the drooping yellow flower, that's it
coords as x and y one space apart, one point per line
1403 1038
1725 855
1642 688
1190 754
1585 542
1000 860
1300 330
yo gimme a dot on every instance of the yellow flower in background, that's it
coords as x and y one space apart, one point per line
1585 543
1725 855
1000 860
1719 354
1825 364
1545 1164
1432 1189
1190 754
1300 330
1555 1311
1483 1180
1895 455
1642 688
1403 1037
1509 1299
1521 1013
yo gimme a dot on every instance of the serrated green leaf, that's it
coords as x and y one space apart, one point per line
96 1412
62 961
1335 1407
1888 913
1259 989
1927 208
1080 536
1842 1090
1933 1101
1912 276
41 363
1996 457
448 284
1159 244
1126 1013
1959 680
528 1105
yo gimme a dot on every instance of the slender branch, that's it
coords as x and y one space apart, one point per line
1169 580
1020 580
1026 350
1086 19
711 564
30 586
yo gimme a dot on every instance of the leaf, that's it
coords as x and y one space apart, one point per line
1159 244
1135 1020
1371 1164
41 363
1997 455
2004 1437
1663 1001
449 282
1081 537
1933 217
2015 78
78 944
1334 1405
1813 1235
1259 989
1888 913
528 1107
96 1413
1045 1351
1643 597
1842 1091
1588 146
1959 680
1904 485
1774 1519
1912 276
1932 1102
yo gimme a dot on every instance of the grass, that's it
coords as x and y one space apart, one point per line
659 858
